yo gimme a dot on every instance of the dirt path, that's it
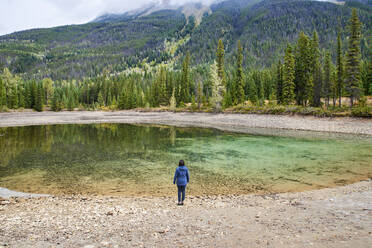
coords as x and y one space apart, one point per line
339 217
229 122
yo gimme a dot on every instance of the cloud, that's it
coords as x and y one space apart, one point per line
17 15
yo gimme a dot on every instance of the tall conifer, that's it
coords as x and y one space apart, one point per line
327 78
185 80
239 95
279 83
316 71
288 77
221 61
340 68
353 58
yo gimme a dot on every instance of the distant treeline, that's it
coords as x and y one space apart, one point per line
305 76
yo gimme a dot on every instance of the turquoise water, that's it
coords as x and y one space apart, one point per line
122 159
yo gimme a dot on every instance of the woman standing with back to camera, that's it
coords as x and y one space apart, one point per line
181 176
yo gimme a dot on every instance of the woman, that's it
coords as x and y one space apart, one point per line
182 178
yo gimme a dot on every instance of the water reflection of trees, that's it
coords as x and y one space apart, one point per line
78 150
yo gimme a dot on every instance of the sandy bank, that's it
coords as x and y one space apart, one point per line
229 122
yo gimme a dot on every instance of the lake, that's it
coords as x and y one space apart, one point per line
123 159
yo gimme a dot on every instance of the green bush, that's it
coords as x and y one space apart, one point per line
362 111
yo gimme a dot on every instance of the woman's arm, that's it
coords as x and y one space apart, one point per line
175 177
187 176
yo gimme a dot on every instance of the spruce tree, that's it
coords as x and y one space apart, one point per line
279 83
56 105
353 58
185 80
71 103
158 89
218 88
33 95
13 96
100 100
368 84
302 70
172 101
2 93
221 62
21 96
251 89
39 98
327 79
200 94
121 100
48 90
340 69
239 95
288 77
316 71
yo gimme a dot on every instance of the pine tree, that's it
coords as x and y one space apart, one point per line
334 85
340 69
2 93
33 95
279 83
13 97
21 96
327 78
56 104
193 103
71 103
100 100
172 101
200 94
288 77
48 90
258 86
302 80
185 80
353 58
316 71
217 88
39 98
252 90
158 90
221 62
368 84
239 96
121 100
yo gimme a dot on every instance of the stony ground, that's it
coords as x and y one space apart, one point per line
338 217
229 122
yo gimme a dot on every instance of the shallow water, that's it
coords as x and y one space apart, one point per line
123 159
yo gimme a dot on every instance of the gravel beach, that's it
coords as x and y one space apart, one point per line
334 217
229 122
338 217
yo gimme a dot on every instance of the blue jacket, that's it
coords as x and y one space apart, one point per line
181 176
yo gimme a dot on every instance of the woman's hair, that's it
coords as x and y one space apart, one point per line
181 163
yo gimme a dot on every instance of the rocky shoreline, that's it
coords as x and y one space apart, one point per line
337 217
246 123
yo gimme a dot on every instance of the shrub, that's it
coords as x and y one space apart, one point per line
362 111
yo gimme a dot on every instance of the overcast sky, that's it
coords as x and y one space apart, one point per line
16 15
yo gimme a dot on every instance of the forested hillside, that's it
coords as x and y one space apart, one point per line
115 43
242 70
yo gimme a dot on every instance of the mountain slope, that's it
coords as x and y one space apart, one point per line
117 42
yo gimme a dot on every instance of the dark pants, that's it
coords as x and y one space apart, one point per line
181 193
